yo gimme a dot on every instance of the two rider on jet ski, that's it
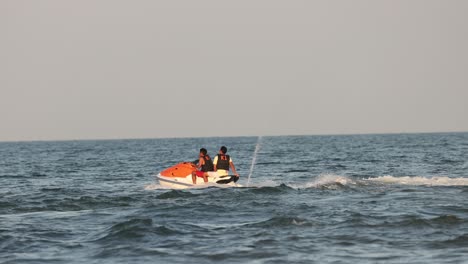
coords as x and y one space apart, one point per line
217 167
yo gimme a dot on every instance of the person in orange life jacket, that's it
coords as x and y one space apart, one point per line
222 162
205 165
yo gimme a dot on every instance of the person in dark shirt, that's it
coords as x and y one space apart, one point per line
205 165
223 162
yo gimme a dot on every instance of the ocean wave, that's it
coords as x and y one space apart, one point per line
418 180
268 163
155 186
332 181
282 221
447 220
132 229
296 170
327 181
264 183
459 241
36 174
175 194
271 189
6 176
61 203
436 222
90 202
6 205
406 222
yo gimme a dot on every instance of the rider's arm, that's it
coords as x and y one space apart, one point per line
215 161
200 162
233 169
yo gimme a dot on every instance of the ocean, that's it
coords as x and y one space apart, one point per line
396 198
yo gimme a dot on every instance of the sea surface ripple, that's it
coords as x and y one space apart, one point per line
398 198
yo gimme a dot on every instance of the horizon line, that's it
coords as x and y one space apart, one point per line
230 136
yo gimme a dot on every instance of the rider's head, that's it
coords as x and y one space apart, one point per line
223 149
203 151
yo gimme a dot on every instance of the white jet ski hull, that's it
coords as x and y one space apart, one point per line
186 182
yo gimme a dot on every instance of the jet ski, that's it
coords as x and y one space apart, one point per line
179 176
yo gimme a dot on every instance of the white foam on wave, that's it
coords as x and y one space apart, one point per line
332 181
264 183
418 180
327 180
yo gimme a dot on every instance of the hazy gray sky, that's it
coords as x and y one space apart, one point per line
140 69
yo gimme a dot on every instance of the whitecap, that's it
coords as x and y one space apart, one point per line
325 180
419 180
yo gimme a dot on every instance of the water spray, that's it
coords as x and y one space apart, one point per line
257 148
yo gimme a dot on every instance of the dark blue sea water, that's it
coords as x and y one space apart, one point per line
399 198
